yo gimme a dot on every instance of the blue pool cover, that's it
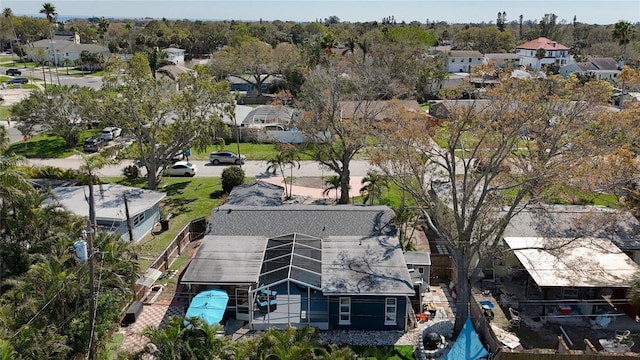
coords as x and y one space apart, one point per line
208 305
467 345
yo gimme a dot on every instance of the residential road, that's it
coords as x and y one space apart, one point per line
256 169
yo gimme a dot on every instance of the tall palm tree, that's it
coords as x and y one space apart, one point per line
157 59
103 27
332 183
49 11
8 15
365 47
623 31
372 187
281 161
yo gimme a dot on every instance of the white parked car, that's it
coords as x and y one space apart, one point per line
181 168
110 133
226 157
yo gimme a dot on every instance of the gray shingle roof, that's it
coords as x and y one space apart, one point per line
257 193
313 220
360 251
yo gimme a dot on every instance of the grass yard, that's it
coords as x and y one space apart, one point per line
250 150
47 146
187 199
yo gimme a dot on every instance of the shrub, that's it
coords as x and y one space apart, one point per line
232 177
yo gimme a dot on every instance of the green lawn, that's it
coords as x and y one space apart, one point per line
47 146
187 199
250 150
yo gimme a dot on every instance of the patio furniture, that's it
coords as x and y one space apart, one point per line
613 346
268 292
515 318
266 303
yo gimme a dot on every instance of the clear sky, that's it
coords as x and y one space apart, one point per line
452 11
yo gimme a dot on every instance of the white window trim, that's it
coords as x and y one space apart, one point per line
137 220
348 312
390 309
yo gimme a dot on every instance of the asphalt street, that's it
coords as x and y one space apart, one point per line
205 169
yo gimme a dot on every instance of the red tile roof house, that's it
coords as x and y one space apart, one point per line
554 53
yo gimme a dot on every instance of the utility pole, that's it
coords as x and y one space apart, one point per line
126 212
90 232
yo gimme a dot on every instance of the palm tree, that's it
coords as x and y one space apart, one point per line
6 351
103 27
328 42
66 62
8 14
373 185
49 11
288 344
332 183
282 160
350 44
365 47
623 31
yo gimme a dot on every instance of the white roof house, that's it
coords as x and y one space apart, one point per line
57 51
110 207
175 55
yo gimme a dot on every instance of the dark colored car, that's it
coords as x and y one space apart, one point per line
13 72
18 80
93 144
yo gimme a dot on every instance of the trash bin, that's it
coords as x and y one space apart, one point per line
164 224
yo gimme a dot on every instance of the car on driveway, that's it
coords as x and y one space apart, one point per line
181 168
93 144
110 133
18 80
13 72
226 157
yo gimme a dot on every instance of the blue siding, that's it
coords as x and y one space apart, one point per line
367 313
151 218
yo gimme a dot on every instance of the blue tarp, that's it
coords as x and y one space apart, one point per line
208 305
467 345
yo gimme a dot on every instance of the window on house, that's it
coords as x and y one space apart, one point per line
469 59
345 311
390 308
137 220
453 60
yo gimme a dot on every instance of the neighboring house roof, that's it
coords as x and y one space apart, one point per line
501 56
109 201
173 50
65 46
417 258
542 43
268 115
598 65
583 262
572 221
465 54
379 109
257 193
173 71
360 251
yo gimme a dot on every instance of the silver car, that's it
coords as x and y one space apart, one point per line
226 157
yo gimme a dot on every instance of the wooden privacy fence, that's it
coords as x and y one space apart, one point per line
193 231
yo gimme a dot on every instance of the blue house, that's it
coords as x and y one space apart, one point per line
332 267
144 207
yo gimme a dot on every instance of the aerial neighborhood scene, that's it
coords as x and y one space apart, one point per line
314 179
